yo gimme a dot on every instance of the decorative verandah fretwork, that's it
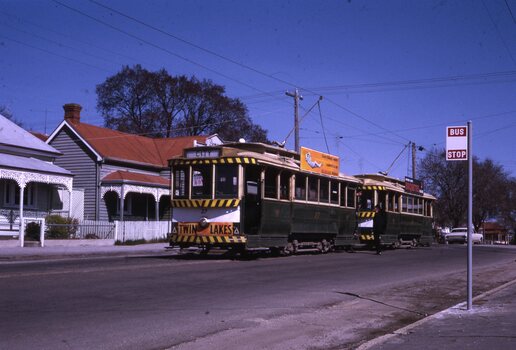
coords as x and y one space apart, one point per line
22 178
124 189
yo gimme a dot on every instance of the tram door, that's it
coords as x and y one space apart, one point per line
252 202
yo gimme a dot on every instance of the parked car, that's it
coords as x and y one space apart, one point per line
460 235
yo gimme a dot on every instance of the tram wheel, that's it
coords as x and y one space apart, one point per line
288 249
325 246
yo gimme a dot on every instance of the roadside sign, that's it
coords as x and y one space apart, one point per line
456 143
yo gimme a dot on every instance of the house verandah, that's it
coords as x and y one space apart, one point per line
125 177
39 192
29 181
134 200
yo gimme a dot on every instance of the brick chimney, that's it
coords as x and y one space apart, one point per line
72 112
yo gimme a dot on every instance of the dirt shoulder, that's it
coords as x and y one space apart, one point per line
357 318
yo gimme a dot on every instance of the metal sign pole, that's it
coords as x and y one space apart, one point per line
470 215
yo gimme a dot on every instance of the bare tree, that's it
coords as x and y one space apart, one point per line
136 100
6 112
489 191
448 181
171 93
126 101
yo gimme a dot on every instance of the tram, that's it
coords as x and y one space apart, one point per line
409 210
245 196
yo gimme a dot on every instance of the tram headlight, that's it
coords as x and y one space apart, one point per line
203 223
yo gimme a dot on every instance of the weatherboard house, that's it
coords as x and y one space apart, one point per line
28 171
124 177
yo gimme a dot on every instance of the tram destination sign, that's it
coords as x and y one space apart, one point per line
203 153
456 143
413 185
318 162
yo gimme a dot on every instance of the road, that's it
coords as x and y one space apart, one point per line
327 301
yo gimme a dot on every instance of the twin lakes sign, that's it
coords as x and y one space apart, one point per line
457 143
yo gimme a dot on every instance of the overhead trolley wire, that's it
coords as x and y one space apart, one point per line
53 53
75 39
192 44
229 60
159 47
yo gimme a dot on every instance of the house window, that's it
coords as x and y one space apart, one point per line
12 195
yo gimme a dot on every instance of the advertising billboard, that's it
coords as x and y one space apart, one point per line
318 162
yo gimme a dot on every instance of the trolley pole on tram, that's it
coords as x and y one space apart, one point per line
296 97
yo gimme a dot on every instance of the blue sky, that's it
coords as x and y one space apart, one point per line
389 72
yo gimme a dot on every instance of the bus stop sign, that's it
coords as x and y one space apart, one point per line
457 143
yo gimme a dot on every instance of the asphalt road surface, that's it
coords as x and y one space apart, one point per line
331 301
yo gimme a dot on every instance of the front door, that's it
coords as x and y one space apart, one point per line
252 200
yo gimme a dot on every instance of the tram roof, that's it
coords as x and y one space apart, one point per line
264 154
390 183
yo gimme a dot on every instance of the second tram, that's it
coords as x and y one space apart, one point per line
409 210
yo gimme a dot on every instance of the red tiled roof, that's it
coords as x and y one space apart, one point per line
127 176
128 147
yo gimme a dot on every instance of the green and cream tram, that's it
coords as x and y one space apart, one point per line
408 209
251 195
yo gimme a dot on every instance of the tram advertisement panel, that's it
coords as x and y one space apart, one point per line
318 162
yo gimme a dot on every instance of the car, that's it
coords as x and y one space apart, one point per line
460 235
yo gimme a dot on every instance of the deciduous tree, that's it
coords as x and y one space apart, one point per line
448 180
136 100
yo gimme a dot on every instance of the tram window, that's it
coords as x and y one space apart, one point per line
324 190
201 181
312 189
252 188
334 192
410 205
285 185
404 201
419 206
351 197
393 202
226 181
300 187
271 183
180 183
366 200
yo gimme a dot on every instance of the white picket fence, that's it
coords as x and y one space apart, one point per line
136 230
90 230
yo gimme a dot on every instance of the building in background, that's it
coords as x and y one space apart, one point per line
30 181
125 177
